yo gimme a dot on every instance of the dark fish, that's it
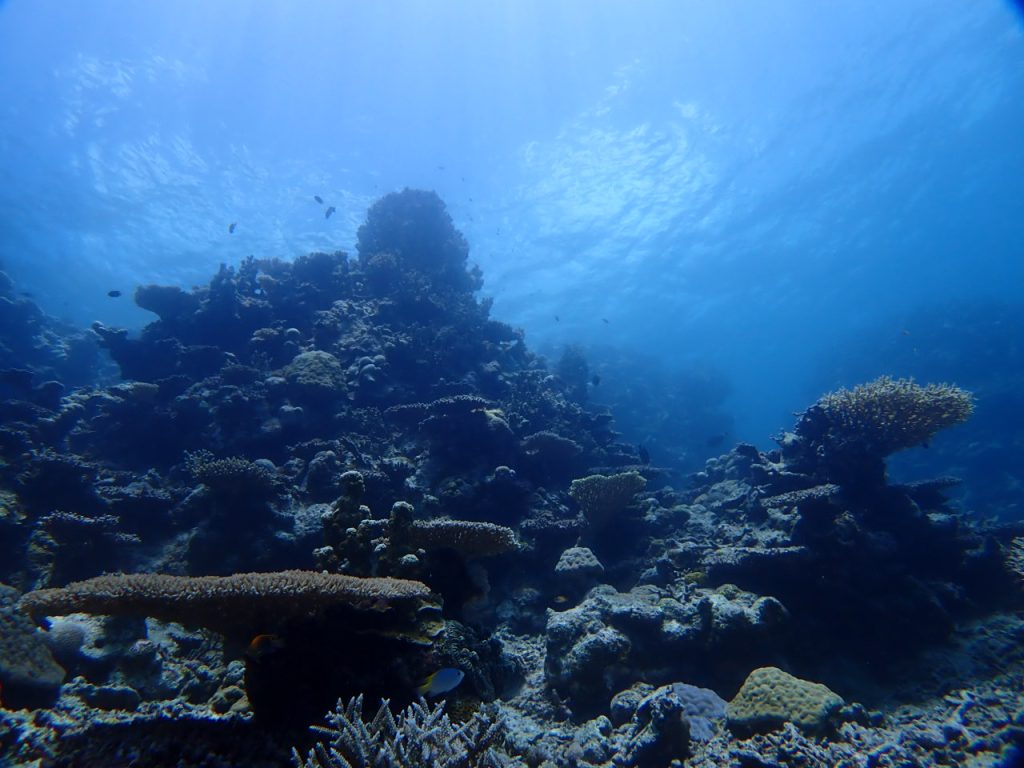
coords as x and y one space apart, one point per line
715 440
113 294
231 227
645 456
27 294
262 646
595 379
557 319
604 319
318 199
18 377
440 167
329 211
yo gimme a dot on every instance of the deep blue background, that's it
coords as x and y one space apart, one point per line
757 197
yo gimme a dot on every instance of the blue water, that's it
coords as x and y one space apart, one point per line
757 196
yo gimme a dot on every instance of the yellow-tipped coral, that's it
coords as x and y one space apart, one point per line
888 415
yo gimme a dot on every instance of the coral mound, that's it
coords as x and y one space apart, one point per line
770 698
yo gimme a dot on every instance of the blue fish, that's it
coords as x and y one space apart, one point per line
440 682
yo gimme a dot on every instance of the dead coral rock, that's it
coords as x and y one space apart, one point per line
29 677
469 538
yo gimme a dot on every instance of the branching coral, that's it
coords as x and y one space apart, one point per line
418 737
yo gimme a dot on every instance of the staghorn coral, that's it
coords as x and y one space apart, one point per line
237 606
601 497
420 736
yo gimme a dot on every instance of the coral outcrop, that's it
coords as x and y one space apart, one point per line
769 698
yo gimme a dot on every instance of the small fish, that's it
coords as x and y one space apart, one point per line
329 211
560 600
604 320
440 682
114 293
715 440
231 227
595 379
558 319
318 199
440 167
27 294
645 456
906 332
262 646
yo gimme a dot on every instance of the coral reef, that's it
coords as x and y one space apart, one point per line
469 507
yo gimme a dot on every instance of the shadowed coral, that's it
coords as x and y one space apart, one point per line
233 475
468 537
601 497
419 735
888 415
237 606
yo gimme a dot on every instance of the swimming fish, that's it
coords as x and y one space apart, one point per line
595 379
262 646
440 682
231 227
113 294
329 211
645 456
318 199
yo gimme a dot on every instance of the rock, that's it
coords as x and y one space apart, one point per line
658 734
29 676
